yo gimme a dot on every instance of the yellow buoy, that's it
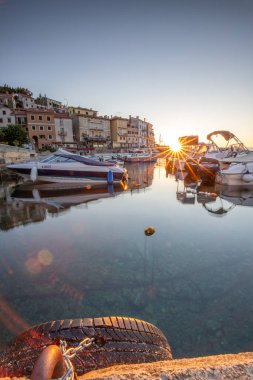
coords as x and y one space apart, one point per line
149 231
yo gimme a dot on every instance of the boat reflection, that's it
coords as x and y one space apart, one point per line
29 203
237 196
217 200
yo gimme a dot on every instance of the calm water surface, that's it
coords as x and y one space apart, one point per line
85 254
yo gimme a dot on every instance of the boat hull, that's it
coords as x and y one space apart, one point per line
236 175
71 175
140 159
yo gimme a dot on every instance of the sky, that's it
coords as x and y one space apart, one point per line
184 65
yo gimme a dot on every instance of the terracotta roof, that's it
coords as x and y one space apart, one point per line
42 111
59 115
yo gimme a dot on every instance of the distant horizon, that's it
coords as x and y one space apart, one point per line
185 66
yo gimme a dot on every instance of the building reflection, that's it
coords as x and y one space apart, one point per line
140 175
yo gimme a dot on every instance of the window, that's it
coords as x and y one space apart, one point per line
41 128
1 120
9 120
32 117
26 129
56 158
4 112
33 127
50 137
48 118
49 128
42 136
40 117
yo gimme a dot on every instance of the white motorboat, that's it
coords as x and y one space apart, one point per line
221 148
231 147
65 167
239 172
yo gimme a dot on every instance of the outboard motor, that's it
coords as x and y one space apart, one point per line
34 174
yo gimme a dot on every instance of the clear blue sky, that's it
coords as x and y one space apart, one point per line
184 65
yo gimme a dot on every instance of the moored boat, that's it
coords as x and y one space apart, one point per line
140 156
238 173
65 167
218 155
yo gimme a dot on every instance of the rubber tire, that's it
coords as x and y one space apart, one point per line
118 340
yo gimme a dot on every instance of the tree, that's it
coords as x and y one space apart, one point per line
13 90
2 137
14 135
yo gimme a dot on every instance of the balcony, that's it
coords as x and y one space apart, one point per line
62 133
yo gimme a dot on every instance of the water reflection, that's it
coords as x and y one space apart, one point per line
217 200
27 203
192 278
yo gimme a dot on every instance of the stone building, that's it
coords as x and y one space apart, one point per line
41 127
73 111
43 102
7 100
119 132
63 129
92 131
24 101
7 116
138 127
21 118
150 136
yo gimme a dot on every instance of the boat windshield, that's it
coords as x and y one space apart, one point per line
57 158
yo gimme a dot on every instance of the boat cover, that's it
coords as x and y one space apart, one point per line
84 160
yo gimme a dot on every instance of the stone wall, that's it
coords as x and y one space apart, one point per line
10 154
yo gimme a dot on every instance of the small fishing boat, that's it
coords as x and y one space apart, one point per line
66 167
140 156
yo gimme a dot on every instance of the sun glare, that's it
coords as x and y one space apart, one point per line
175 146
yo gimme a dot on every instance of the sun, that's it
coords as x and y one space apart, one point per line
175 146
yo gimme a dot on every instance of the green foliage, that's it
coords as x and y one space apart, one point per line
13 90
42 100
2 137
14 135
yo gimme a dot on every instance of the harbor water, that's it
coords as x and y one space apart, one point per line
83 253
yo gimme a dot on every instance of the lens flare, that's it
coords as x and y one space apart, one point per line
175 146
45 257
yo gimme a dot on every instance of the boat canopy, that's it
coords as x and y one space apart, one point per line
226 134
